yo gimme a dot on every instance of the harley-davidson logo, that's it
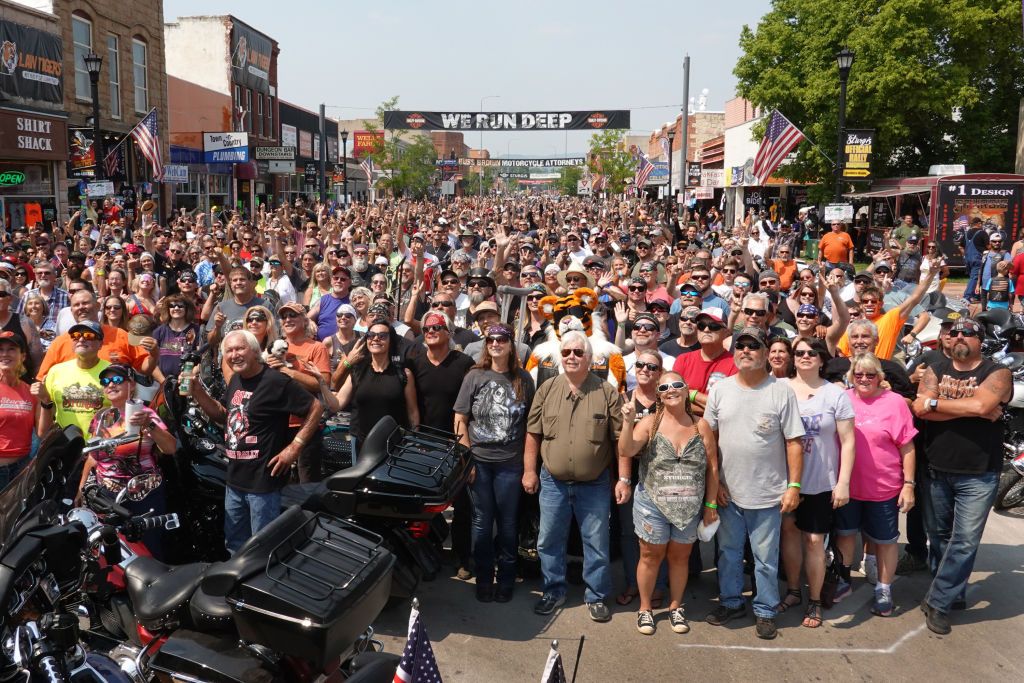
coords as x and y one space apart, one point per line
416 120
597 120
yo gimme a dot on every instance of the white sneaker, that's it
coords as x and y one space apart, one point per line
871 569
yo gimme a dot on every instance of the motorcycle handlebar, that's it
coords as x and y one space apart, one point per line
105 444
141 525
50 668
102 504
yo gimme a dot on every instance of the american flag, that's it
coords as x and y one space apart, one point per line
665 147
147 137
553 670
643 171
779 140
367 166
418 664
112 162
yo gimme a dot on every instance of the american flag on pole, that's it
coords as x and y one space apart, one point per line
418 664
367 166
779 140
147 137
112 163
554 672
643 171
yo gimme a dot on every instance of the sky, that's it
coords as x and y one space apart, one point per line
537 56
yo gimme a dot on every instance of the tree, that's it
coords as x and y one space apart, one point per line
609 157
408 165
471 181
570 176
917 63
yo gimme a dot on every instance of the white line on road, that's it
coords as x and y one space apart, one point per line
819 650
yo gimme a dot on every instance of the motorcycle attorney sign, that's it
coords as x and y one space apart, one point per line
30 64
531 120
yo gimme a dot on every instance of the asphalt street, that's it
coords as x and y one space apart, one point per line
508 642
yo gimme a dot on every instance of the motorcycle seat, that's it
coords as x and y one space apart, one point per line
372 452
210 613
159 592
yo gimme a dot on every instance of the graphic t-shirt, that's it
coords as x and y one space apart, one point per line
76 393
128 460
882 426
17 417
819 414
256 428
173 344
497 425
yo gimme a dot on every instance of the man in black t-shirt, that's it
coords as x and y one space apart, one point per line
962 397
255 411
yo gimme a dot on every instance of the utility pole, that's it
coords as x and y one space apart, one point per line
323 154
685 132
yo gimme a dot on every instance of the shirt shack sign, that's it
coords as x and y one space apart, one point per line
32 136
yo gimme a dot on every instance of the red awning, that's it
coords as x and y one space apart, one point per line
246 170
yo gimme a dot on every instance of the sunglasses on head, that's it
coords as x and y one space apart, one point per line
113 379
668 386
579 353
650 367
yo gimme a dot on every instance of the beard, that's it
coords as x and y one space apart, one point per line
961 351
477 298
360 263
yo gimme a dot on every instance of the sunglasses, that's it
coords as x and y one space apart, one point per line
742 285
637 288
478 283
808 316
967 334
689 292
376 336
575 279
116 380
650 367
700 277
435 328
804 353
288 315
345 315
86 336
441 304
498 339
869 301
748 346
755 311
712 327
729 271
770 282
667 386
256 318
579 353
21 273
645 328
535 297
530 273
865 375
446 281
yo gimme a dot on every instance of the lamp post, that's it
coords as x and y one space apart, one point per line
481 174
671 139
344 167
93 63
844 59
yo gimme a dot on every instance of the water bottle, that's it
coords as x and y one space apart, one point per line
186 378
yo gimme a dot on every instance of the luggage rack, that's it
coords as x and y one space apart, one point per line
326 553
426 445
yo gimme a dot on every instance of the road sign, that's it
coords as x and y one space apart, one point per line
584 187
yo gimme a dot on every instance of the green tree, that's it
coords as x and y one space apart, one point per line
408 165
570 176
610 158
471 180
940 82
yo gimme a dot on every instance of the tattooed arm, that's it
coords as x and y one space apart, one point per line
995 390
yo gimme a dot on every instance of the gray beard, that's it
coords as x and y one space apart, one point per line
476 298
961 352
360 264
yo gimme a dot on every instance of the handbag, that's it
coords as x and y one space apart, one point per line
833 572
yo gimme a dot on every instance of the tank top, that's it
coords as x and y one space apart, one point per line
675 481
326 319
374 395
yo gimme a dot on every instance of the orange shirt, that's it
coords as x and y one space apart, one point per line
836 247
786 271
316 353
115 343
889 325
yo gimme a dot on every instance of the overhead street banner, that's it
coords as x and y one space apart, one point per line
530 120
524 163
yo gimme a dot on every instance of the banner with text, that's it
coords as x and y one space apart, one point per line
30 63
531 120
366 142
251 53
857 149
523 163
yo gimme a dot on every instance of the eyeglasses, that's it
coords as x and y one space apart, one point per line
535 297
498 339
288 315
116 380
865 375
748 346
668 386
645 328
804 353
710 327
376 336
435 328
967 334
650 367
579 353
441 304
447 281
755 311
700 277
84 336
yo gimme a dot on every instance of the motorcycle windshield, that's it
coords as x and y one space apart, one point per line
45 479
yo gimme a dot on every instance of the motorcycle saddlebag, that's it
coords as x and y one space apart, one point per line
322 587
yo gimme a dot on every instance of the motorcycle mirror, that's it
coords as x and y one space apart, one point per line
138 487
913 349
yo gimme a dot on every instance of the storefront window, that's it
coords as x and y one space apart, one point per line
81 32
27 193
140 75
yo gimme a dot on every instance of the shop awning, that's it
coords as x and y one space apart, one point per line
887 192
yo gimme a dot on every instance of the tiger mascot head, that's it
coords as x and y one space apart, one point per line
572 312
9 56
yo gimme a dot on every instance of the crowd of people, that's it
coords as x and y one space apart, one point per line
696 379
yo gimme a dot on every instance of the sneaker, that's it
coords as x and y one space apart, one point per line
463 574
645 622
937 621
723 615
677 618
843 591
766 628
548 603
871 569
503 593
599 611
883 602
908 564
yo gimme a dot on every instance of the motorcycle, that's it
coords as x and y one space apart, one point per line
401 484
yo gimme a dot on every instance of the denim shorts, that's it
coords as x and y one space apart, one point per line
652 527
878 520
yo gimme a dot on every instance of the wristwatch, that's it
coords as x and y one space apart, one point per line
933 404
626 480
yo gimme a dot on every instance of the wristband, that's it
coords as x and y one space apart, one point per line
626 480
299 440
713 506
348 366
793 485
910 482
46 406
693 395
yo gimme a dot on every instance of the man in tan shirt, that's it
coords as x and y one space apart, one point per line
574 425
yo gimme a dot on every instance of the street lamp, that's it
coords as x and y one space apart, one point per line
93 63
344 167
481 174
671 139
844 59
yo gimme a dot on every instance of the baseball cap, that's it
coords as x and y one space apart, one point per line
966 324
88 326
713 312
946 316
649 317
418 236
485 307
659 301
16 338
863 276
766 274
883 266
913 237
755 333
293 306
593 260
340 269
118 369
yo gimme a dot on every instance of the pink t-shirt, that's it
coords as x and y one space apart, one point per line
882 425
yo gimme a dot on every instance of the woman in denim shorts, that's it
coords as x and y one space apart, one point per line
676 478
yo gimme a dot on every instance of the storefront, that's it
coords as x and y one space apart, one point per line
32 152
208 185
300 129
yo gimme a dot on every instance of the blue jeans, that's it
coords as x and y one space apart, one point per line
973 274
958 508
495 494
590 501
246 513
763 527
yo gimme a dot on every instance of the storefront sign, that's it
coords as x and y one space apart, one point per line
693 175
857 149
9 178
231 148
523 163
32 136
535 120
289 136
278 153
704 192
311 172
366 142
276 166
30 64
712 177
998 205
305 144
175 173
659 174
100 188
251 53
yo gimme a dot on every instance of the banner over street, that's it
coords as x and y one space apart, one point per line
535 120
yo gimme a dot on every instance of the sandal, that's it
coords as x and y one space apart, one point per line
787 601
627 596
812 617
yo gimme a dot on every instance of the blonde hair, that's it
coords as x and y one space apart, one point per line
862 362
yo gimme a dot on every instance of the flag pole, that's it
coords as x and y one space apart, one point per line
827 157
579 652
128 134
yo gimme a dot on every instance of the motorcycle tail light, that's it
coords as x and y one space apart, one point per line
436 509
419 529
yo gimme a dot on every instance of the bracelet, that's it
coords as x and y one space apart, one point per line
693 395
348 366
626 480
300 441
910 482
793 485
713 506
46 406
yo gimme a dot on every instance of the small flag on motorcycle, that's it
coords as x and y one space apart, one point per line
418 664
554 672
